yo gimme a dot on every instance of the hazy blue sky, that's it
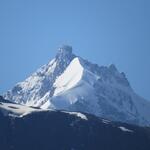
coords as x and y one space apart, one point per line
102 31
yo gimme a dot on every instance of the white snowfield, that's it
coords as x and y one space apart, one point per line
70 78
71 83
17 110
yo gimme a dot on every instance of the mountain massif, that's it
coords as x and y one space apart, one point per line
71 83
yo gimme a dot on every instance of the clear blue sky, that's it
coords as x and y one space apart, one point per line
102 31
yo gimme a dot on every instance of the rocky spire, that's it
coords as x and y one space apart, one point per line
65 54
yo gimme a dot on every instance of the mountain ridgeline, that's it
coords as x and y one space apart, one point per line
69 82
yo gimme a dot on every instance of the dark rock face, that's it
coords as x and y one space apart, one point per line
61 131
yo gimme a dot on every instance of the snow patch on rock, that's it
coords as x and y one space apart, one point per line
78 114
125 129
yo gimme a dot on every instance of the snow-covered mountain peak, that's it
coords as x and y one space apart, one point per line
72 83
